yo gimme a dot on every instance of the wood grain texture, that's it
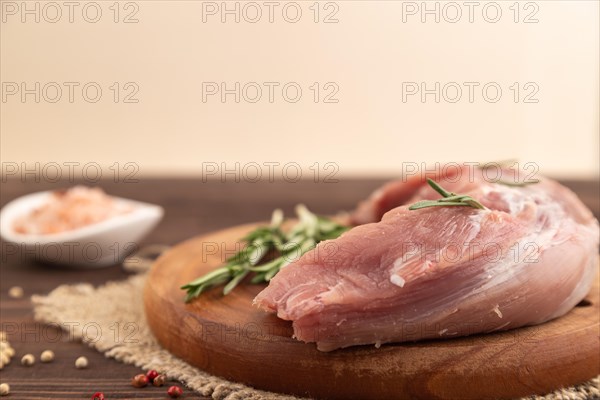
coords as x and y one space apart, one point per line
227 336
191 207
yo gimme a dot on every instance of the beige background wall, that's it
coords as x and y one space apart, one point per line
367 55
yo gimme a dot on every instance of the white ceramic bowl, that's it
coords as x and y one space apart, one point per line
96 245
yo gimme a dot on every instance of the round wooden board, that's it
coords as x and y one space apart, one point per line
228 337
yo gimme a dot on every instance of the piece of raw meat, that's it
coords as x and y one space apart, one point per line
443 272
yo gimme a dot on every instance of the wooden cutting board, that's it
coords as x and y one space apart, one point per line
228 337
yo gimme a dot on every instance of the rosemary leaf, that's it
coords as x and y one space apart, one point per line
233 283
258 278
517 184
438 188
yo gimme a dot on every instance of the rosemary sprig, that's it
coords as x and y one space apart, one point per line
303 236
507 164
517 184
448 199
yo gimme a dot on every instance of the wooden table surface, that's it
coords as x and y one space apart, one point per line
191 207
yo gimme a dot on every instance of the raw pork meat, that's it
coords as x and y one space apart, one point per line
442 272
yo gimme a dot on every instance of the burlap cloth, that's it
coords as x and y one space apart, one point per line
121 310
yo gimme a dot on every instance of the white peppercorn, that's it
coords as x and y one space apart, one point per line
28 360
16 292
81 363
47 356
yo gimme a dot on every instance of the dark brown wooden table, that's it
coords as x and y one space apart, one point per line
191 207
